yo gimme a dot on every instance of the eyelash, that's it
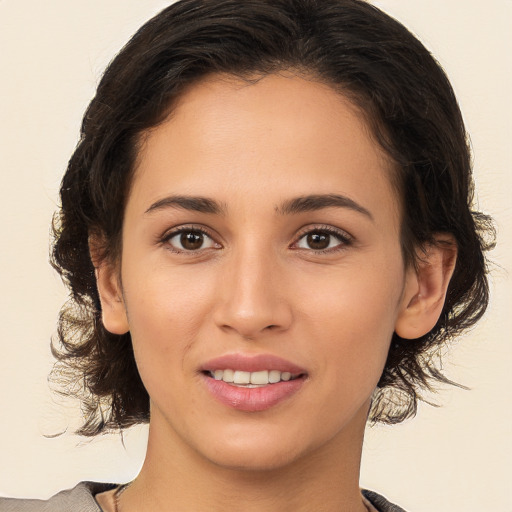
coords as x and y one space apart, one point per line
343 238
185 229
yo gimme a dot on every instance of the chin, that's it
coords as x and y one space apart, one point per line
263 450
254 460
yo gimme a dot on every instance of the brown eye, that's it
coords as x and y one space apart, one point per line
321 240
190 240
318 241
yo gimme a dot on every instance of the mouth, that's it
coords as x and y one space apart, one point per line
252 383
256 379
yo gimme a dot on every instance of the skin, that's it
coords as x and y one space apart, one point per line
257 286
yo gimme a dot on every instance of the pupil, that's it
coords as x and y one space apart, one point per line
191 241
318 240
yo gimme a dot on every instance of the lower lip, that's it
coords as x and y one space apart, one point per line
253 399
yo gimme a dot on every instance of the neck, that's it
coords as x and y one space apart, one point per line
176 477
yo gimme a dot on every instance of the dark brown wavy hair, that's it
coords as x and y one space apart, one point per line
359 51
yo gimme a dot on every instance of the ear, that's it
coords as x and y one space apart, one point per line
425 288
113 311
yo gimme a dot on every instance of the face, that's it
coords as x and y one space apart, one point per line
261 271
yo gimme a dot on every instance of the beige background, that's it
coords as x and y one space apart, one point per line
449 459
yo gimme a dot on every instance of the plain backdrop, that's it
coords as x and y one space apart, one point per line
448 459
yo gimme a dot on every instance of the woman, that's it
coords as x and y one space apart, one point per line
266 228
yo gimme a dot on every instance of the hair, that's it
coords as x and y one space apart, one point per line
358 50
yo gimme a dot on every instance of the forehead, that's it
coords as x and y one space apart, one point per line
226 133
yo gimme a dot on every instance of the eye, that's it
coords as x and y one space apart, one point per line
189 240
323 240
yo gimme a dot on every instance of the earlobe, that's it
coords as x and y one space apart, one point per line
426 287
113 311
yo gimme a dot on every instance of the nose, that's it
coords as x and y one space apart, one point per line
253 299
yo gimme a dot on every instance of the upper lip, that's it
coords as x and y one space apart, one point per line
252 363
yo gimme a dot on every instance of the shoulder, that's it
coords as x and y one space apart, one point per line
81 499
381 503
78 499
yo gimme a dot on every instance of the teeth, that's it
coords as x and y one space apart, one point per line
242 377
259 377
252 379
274 376
228 375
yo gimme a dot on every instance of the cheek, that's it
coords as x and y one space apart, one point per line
365 299
167 310
351 318
166 299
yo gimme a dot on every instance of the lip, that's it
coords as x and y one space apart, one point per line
252 363
252 399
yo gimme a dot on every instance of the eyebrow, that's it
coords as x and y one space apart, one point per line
301 204
190 203
319 201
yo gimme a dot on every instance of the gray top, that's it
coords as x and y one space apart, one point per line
81 499
78 499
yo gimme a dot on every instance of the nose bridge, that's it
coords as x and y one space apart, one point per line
253 301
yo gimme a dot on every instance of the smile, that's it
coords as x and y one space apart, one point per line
252 383
252 379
